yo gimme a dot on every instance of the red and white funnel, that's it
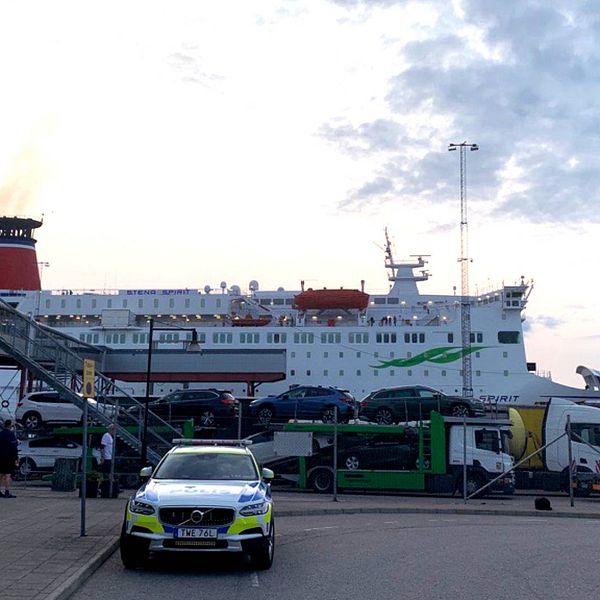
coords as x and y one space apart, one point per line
18 260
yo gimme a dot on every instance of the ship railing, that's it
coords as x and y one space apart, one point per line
57 360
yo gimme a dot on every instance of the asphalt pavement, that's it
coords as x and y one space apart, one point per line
44 557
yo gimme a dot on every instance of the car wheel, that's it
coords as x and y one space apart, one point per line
207 418
134 550
328 415
261 554
26 467
352 462
265 415
32 420
321 481
384 416
459 410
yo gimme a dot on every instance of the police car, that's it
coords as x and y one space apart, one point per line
204 496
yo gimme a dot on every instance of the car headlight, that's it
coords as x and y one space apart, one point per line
141 508
254 509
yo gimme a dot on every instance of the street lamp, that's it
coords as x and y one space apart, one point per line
193 346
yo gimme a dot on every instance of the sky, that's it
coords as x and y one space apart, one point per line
184 143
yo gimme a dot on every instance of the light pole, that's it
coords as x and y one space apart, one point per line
193 346
465 306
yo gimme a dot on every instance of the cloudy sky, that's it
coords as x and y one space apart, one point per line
178 144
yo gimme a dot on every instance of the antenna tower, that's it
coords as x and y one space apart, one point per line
465 303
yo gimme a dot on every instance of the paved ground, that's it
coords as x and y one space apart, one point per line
44 558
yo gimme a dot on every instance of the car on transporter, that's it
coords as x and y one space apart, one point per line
413 403
204 496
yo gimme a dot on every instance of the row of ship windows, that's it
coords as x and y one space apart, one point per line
391 373
108 303
504 337
375 355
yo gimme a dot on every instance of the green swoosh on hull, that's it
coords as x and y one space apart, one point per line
439 356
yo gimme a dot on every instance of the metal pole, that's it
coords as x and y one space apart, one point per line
114 453
239 420
570 459
144 452
465 458
83 486
335 452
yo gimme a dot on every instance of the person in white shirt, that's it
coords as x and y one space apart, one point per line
106 449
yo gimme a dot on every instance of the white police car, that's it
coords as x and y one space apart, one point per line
204 496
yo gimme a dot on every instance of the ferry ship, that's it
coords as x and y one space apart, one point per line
346 338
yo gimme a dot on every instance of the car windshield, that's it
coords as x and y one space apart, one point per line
218 467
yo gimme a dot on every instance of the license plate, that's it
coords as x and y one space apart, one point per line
195 533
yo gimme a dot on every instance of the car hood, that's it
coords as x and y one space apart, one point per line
170 492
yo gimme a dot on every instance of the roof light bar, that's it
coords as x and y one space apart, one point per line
191 442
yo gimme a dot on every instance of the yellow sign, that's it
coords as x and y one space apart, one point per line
89 375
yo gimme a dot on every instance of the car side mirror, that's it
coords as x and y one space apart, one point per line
146 473
267 474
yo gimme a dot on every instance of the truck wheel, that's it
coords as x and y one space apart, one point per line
474 482
321 481
134 550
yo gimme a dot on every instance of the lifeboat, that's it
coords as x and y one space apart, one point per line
331 299
249 321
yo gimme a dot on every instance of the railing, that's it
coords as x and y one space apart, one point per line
57 360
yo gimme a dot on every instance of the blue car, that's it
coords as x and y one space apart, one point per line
305 402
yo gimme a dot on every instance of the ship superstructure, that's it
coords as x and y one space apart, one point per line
334 336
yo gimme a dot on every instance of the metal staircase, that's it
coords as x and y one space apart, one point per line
57 359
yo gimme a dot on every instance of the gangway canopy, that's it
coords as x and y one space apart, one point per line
590 376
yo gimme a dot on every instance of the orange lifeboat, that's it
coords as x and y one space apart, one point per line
249 321
331 299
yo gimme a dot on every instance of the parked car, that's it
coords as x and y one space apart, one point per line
411 403
38 409
40 453
206 407
305 402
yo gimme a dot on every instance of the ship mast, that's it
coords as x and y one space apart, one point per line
465 303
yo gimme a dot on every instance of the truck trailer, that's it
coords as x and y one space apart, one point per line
535 427
427 456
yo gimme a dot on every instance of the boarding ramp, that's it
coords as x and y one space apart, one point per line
57 360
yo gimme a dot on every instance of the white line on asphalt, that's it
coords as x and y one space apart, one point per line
390 522
254 578
433 520
318 528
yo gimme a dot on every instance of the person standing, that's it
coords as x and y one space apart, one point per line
9 458
106 449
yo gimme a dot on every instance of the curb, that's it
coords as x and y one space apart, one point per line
73 583
434 511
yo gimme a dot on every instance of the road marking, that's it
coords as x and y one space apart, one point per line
319 528
433 520
390 522
254 578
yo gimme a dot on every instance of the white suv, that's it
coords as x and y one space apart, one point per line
39 408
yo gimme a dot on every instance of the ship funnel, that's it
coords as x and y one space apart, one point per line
18 261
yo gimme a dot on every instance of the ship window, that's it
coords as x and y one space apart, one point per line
289 301
358 372
331 338
218 303
47 303
341 355
94 303
308 355
89 338
358 355
308 372
393 300
222 338
78 303
325 354
477 373
505 355
122 338
292 372
508 337
443 373
62 303
376 373
82 337
202 303
109 303
450 338
135 338
124 303
426 373
266 301
409 372
96 338
392 372
341 372
279 301
414 338
477 354
155 302
505 373
358 338
171 302
325 373
292 355
276 338
140 303
187 303
407 338
421 338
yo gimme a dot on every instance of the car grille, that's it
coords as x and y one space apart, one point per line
212 516
194 544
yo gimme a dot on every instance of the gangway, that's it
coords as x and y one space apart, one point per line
57 359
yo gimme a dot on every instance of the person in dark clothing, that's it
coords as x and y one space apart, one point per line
9 458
